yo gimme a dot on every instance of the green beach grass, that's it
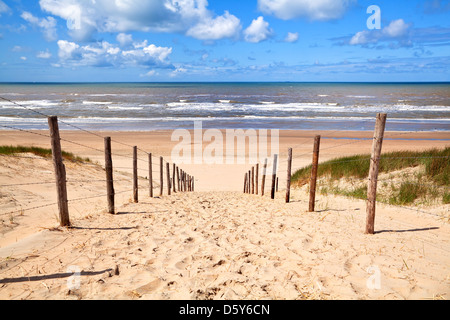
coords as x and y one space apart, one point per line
41 152
412 176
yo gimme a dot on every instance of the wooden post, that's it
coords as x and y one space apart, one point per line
150 174
168 178
289 169
173 179
256 178
263 182
253 180
373 172
60 172
135 176
313 181
161 176
249 181
181 180
178 179
245 183
193 179
109 176
274 175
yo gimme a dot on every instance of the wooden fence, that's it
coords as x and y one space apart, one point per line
250 179
177 180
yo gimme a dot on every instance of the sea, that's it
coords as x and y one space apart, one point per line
224 105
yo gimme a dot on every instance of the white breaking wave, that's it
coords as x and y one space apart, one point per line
97 102
126 108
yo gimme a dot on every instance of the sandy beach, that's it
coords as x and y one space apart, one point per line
216 242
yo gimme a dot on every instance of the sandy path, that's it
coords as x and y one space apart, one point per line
227 245
216 243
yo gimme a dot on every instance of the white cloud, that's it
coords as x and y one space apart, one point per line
124 39
67 50
226 26
181 16
178 71
258 31
396 30
23 58
151 73
312 9
44 55
291 37
48 25
3 7
103 54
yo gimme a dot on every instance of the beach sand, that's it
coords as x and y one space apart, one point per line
214 243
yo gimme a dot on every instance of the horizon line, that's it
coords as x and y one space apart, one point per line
225 82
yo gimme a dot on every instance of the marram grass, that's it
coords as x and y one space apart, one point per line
41 152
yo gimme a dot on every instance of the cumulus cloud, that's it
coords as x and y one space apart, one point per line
397 30
226 26
192 17
258 31
124 39
44 55
105 54
313 9
291 37
47 25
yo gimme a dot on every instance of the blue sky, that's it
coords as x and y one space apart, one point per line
217 40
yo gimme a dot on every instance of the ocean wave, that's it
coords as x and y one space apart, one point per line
125 108
97 102
361 97
87 119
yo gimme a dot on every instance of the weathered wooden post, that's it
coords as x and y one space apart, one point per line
109 176
245 183
135 176
288 182
60 172
373 172
253 180
150 175
274 175
313 181
161 176
263 180
256 178
178 179
168 178
174 187
181 180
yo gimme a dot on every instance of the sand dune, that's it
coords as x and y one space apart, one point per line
212 244
227 245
